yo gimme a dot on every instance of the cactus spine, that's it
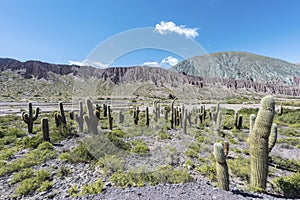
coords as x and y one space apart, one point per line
259 139
221 167
45 129
90 118
28 118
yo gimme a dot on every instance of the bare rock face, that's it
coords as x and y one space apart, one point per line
241 66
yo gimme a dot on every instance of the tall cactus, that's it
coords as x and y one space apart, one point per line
136 115
184 123
79 117
156 111
28 118
280 109
218 123
259 139
121 117
45 129
238 121
90 118
172 121
221 167
60 118
202 114
109 118
147 116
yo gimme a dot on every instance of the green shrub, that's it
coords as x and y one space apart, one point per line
92 188
78 154
116 137
139 147
63 171
110 164
23 174
73 190
30 185
189 164
41 154
240 167
45 186
31 141
7 153
287 164
209 170
290 118
295 142
163 174
289 186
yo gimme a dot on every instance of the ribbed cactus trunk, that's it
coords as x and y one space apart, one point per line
147 117
45 129
121 117
109 118
79 117
90 119
184 121
62 113
28 118
172 121
259 139
221 167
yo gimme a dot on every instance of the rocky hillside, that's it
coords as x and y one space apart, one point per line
241 66
230 71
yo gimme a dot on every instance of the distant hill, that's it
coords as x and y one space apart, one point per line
241 66
208 76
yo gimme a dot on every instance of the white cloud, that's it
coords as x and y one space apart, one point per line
170 60
71 62
152 64
88 63
166 62
169 27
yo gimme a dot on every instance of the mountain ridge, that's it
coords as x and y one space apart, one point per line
226 70
240 66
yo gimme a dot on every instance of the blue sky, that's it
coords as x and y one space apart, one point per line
64 31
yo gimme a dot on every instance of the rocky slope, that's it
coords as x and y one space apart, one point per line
241 66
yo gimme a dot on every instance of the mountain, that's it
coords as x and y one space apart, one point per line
209 76
241 66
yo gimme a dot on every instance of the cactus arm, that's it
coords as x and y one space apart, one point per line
37 111
272 137
25 117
